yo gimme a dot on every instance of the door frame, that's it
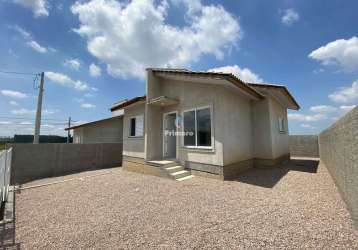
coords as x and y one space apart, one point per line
163 133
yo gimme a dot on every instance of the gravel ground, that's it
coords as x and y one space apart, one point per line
290 207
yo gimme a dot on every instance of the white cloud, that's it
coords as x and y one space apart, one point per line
94 70
38 7
88 95
13 94
244 74
306 118
346 108
346 94
23 111
323 109
305 125
26 123
289 17
87 106
5 123
65 80
74 64
129 37
36 46
343 53
25 34
13 103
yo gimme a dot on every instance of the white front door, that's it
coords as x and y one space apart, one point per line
169 135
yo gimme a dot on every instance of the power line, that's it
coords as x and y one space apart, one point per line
18 73
29 118
30 124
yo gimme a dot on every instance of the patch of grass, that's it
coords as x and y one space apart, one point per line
2 146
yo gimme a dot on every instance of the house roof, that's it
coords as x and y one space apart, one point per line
125 103
251 89
282 88
217 75
94 122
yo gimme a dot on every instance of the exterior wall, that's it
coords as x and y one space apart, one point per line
280 140
35 161
109 131
262 139
242 130
338 149
304 145
192 95
118 112
133 146
235 124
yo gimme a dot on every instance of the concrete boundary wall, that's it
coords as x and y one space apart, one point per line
35 161
339 152
304 145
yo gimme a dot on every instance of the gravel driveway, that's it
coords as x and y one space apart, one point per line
294 206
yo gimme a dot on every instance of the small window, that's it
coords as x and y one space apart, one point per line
197 128
281 124
136 126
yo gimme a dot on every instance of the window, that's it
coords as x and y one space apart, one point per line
281 124
136 126
197 128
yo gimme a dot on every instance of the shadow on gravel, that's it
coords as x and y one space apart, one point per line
269 177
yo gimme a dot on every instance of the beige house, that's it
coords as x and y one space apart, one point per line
109 130
203 123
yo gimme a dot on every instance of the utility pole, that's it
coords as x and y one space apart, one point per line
68 131
39 109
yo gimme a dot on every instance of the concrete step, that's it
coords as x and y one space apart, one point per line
180 174
174 169
162 163
185 178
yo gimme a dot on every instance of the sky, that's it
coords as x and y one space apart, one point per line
94 53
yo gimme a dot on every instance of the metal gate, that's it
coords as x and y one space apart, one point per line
5 170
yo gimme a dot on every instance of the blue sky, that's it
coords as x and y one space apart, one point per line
309 46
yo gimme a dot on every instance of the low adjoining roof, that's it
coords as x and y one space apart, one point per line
94 122
290 98
126 103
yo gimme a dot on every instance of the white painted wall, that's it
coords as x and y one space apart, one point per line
133 146
280 140
108 131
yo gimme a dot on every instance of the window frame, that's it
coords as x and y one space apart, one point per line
211 147
281 125
130 126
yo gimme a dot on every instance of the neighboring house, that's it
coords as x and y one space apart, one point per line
213 124
108 130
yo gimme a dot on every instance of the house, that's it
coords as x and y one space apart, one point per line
109 130
204 123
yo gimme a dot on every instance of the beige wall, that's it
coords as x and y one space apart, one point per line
192 95
109 131
133 146
261 129
280 140
268 141
241 129
36 161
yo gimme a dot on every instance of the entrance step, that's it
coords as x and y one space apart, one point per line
185 178
173 169
180 174
163 163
